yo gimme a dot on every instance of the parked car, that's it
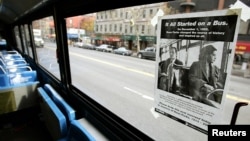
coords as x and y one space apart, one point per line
104 48
88 46
147 53
77 44
123 51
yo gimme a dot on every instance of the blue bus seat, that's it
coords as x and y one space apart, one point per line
2 63
15 62
54 119
22 78
2 70
66 109
4 52
12 57
18 69
77 132
4 81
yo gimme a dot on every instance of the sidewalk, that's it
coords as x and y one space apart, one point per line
237 71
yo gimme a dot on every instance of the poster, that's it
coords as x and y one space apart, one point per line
193 62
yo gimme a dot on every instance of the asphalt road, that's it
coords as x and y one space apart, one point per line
125 86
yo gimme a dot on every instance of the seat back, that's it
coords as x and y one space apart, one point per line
54 119
66 109
78 133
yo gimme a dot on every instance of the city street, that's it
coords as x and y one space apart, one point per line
125 86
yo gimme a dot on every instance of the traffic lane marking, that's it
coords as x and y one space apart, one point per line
237 98
147 74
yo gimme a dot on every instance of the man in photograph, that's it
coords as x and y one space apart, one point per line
169 73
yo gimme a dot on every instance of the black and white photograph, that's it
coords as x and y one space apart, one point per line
193 69
194 61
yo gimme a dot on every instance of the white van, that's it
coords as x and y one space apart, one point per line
38 38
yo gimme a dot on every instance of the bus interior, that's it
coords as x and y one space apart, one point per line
50 89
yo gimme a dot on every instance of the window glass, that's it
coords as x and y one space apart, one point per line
124 84
25 51
18 39
45 45
28 43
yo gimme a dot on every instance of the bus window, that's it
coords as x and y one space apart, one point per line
28 43
24 37
46 47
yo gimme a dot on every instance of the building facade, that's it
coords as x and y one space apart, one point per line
130 27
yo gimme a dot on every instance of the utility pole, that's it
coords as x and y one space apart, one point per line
135 15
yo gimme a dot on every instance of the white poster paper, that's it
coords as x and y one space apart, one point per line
193 62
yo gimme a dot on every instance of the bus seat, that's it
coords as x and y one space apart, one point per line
22 77
2 63
2 70
66 109
15 62
4 81
54 119
18 69
12 57
77 133
4 52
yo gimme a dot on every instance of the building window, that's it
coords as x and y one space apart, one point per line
121 14
115 28
149 29
144 13
151 12
96 28
120 27
142 29
126 28
110 27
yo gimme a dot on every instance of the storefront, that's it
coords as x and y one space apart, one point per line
111 40
242 52
131 41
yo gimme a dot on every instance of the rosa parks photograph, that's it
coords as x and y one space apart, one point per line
193 69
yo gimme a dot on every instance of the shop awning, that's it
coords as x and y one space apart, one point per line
72 36
141 38
148 38
113 39
97 38
242 47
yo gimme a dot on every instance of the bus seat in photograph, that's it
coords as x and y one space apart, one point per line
53 118
77 132
184 84
66 109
